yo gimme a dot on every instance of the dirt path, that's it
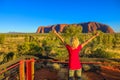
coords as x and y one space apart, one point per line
105 74
45 74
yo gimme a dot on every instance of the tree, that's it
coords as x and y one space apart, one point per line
72 30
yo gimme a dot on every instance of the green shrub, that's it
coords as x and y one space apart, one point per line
84 77
22 49
2 39
99 53
86 67
56 66
9 56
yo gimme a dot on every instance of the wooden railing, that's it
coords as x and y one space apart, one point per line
21 69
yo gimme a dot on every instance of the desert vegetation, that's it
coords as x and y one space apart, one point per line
13 46
105 48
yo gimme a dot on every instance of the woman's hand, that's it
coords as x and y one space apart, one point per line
97 34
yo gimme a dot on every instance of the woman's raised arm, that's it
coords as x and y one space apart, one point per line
89 40
59 36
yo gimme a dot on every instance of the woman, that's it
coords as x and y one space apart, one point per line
74 49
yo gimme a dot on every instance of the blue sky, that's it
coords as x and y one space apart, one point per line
28 15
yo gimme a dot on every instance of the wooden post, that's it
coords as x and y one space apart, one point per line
22 70
32 67
28 70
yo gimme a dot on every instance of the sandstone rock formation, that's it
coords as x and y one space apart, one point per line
87 27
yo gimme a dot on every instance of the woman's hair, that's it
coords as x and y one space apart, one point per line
74 42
